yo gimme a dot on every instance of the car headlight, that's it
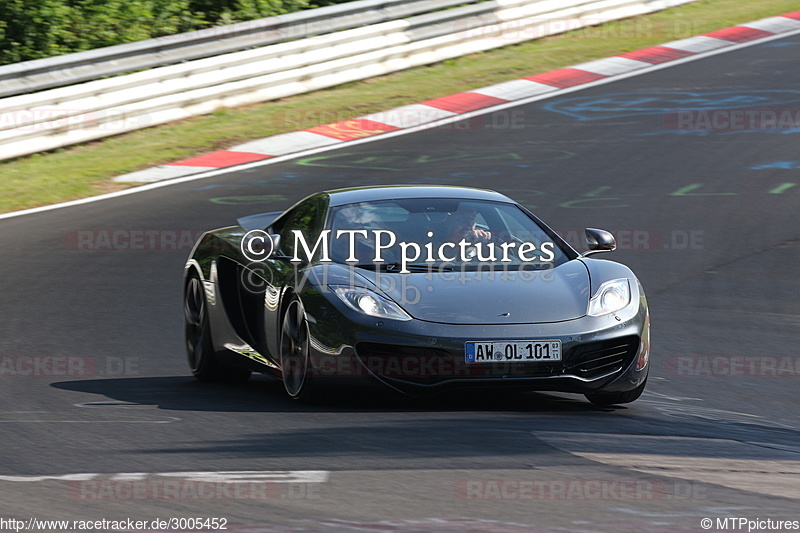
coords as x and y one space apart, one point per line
610 297
370 303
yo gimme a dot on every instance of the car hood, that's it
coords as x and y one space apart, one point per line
490 297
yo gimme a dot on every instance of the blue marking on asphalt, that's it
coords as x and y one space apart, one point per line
658 103
786 165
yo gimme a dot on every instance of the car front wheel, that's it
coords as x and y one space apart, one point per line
295 352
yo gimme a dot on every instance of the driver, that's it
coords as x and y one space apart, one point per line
461 226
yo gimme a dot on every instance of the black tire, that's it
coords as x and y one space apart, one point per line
614 398
295 352
199 347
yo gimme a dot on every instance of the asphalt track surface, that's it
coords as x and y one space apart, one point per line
95 379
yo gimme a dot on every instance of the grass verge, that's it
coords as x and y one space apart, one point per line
86 170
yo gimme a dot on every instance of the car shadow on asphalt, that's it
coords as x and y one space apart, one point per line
265 394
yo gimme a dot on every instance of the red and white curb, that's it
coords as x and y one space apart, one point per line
447 107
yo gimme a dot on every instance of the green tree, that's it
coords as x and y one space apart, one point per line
30 29
33 29
231 11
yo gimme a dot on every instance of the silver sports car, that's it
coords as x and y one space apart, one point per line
416 288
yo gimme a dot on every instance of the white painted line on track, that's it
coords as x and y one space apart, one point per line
220 476
699 44
285 143
516 89
612 66
409 116
774 24
159 173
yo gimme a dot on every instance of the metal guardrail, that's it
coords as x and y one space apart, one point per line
54 118
40 74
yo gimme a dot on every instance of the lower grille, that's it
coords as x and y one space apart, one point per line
427 365
600 358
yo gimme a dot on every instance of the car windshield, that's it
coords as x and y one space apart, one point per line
400 234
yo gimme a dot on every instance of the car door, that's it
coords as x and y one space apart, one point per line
281 274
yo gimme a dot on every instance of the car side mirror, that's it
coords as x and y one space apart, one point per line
276 242
599 240
276 247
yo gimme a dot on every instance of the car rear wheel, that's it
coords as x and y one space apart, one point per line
614 398
295 352
199 347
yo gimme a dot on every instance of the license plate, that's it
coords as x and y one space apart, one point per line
513 351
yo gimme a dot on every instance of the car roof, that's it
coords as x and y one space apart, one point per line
393 192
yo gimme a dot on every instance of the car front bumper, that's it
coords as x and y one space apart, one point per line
598 353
